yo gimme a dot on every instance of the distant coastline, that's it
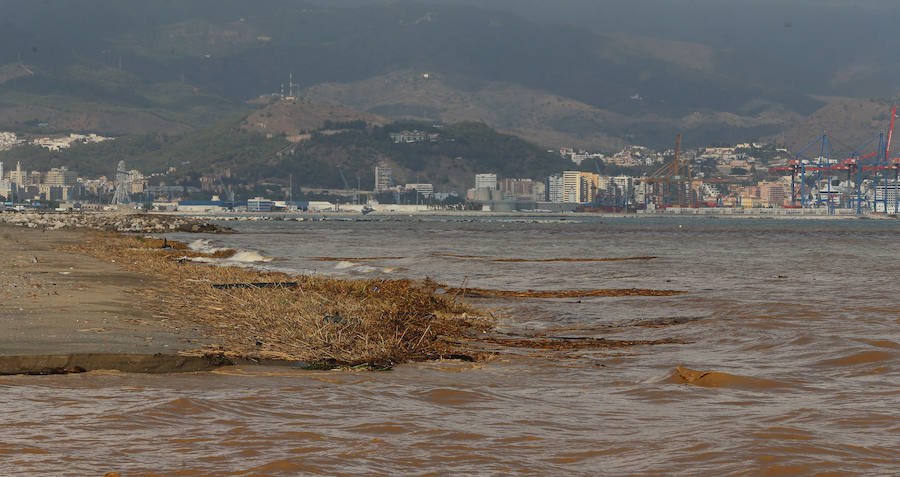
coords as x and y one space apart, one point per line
799 214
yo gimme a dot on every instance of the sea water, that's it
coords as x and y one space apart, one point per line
799 321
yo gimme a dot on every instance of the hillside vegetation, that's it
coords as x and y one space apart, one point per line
295 118
450 161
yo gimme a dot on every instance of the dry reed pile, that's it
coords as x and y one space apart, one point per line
316 319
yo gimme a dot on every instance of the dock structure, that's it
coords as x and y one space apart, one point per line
814 177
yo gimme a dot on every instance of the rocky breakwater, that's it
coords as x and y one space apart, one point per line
110 222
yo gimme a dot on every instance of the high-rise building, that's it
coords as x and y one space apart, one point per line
383 180
590 182
571 181
580 187
7 190
61 177
554 188
522 189
486 181
774 193
18 177
624 186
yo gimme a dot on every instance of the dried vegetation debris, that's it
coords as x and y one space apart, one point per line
326 321
341 322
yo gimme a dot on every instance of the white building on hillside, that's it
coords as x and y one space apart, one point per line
486 181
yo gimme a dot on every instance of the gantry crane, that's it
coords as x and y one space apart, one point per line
677 172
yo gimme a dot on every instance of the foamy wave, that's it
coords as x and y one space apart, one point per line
200 245
240 258
199 259
250 256
342 265
203 246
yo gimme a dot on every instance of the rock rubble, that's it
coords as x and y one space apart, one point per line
110 222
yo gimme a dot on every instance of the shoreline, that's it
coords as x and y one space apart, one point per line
194 222
474 214
75 301
83 300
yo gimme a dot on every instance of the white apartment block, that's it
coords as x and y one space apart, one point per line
383 180
554 189
486 181
427 190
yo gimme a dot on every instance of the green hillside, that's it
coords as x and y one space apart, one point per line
449 161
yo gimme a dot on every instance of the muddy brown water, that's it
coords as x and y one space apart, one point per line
787 363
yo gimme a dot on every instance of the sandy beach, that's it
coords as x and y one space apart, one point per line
57 304
56 301
75 301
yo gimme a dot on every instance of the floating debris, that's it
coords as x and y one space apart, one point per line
573 343
664 322
602 292
350 259
452 255
541 260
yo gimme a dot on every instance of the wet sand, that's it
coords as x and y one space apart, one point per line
56 304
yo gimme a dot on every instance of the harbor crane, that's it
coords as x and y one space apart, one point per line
347 186
875 165
673 180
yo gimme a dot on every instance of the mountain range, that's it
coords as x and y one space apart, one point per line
590 74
